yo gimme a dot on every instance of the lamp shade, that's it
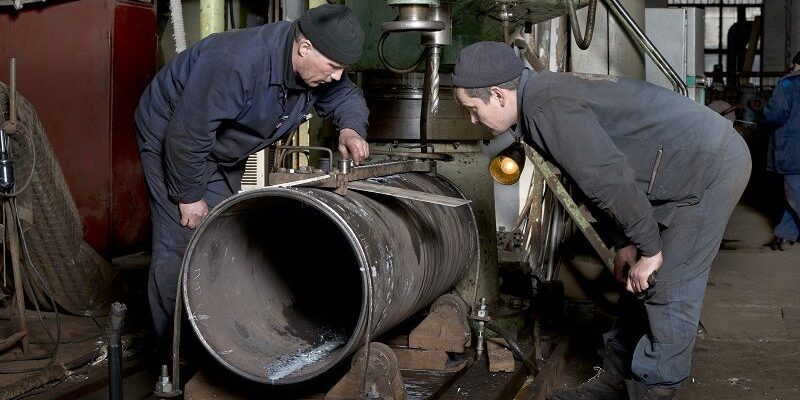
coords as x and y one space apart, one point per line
506 167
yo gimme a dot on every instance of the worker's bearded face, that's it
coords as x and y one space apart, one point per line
498 114
314 68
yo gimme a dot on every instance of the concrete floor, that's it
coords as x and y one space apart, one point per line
751 346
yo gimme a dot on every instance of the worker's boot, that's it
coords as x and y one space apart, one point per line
607 384
640 391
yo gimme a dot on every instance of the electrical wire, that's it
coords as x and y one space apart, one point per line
48 292
392 67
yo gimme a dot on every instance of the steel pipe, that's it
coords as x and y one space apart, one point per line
282 284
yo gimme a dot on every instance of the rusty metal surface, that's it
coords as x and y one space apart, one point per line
278 282
133 66
83 65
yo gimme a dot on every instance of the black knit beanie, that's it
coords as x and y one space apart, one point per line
334 30
485 64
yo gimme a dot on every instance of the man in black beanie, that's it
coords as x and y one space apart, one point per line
665 170
225 98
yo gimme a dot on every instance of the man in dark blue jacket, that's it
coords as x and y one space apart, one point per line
669 179
783 110
225 98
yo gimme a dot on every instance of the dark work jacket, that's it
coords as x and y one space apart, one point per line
783 111
605 134
223 99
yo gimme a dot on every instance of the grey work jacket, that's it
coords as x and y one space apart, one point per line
606 133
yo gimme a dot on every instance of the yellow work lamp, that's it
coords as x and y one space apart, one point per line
506 167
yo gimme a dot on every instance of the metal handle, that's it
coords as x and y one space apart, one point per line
302 148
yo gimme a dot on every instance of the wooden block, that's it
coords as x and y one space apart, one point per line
500 358
415 359
439 331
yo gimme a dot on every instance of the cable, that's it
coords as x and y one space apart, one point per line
582 41
48 292
391 67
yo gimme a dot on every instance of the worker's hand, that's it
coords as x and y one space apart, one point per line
639 273
623 262
352 145
192 214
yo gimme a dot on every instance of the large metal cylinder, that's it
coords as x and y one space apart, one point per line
277 281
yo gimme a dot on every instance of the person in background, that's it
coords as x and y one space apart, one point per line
783 111
225 98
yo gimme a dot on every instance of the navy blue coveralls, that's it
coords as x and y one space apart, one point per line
783 111
606 133
228 96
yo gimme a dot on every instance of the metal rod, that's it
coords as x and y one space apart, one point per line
582 41
19 294
212 17
115 322
646 45
430 93
572 208
12 97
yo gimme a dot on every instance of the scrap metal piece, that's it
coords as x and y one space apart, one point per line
365 186
303 181
383 380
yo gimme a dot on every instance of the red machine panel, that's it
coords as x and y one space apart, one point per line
83 65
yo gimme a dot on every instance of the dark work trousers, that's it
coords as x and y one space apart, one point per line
789 227
658 333
170 239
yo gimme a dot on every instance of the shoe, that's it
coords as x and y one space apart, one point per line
640 391
607 384
603 386
780 244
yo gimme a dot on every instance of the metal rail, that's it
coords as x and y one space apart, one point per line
646 45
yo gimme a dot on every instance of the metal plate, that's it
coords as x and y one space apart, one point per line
366 186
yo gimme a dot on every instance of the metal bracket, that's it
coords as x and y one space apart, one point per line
382 380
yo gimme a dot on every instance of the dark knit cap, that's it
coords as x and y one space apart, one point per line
485 64
796 59
334 30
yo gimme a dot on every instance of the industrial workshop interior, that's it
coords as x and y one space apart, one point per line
400 199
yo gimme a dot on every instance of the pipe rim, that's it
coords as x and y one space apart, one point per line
294 194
